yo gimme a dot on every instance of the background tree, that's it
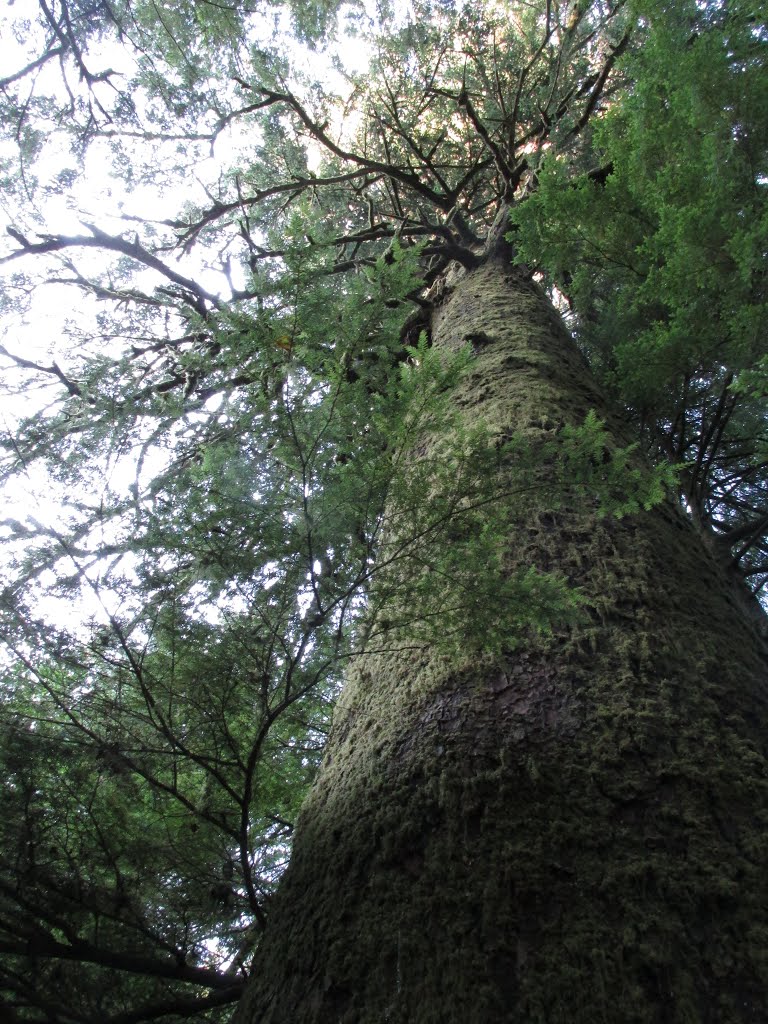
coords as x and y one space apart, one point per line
660 251
234 456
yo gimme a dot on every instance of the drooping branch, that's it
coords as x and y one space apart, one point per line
294 187
41 944
53 370
191 292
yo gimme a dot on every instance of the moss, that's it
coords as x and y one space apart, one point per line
573 832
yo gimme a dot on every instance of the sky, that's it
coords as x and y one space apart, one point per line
99 196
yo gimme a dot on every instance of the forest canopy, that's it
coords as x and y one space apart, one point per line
225 226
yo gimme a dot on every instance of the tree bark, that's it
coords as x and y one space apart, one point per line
574 832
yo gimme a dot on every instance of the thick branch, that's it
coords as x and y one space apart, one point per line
57 51
503 167
42 945
751 531
68 44
599 85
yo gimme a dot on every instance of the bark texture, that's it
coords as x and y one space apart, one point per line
570 834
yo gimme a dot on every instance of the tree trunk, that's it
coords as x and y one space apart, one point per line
573 833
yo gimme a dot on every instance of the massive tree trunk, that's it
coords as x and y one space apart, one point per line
573 833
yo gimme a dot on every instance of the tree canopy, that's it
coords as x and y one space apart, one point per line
223 230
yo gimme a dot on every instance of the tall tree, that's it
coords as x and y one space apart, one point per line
544 794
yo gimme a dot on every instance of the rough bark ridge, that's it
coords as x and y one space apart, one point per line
571 834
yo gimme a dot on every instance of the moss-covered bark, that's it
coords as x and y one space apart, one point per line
574 833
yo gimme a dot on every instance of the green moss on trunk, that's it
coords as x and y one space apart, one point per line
570 834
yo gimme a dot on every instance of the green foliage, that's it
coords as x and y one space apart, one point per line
753 382
321 498
445 576
243 464
622 483
661 252
210 557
